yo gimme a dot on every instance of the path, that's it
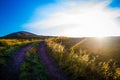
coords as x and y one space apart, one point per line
11 70
53 70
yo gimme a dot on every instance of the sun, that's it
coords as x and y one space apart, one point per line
100 37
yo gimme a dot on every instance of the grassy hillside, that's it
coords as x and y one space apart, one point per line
66 41
10 46
109 47
88 59
24 35
79 58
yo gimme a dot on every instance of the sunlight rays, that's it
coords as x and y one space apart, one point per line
76 19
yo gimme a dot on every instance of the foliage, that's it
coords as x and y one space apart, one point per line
6 53
81 64
10 46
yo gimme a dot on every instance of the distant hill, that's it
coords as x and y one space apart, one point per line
23 35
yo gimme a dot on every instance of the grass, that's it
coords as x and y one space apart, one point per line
79 62
81 59
9 46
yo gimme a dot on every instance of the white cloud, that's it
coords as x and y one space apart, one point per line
76 18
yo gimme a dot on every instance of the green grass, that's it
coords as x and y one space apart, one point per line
7 52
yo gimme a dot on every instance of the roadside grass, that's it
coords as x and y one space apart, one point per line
81 65
9 46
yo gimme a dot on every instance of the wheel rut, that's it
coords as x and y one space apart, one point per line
54 72
11 70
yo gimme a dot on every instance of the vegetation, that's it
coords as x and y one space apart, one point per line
81 59
84 60
10 46
33 68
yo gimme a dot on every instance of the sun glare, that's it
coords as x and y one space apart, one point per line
100 37
77 20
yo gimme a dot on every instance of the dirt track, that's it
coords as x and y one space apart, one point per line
53 70
11 70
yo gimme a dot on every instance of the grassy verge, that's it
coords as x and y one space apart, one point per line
7 52
10 46
83 66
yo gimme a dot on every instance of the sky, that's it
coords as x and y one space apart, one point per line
73 18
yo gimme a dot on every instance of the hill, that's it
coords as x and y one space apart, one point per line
24 35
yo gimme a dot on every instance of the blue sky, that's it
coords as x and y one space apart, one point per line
14 13
30 15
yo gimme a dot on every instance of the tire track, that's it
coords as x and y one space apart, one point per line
11 70
54 72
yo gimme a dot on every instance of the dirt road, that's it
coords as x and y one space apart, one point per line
11 70
53 70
